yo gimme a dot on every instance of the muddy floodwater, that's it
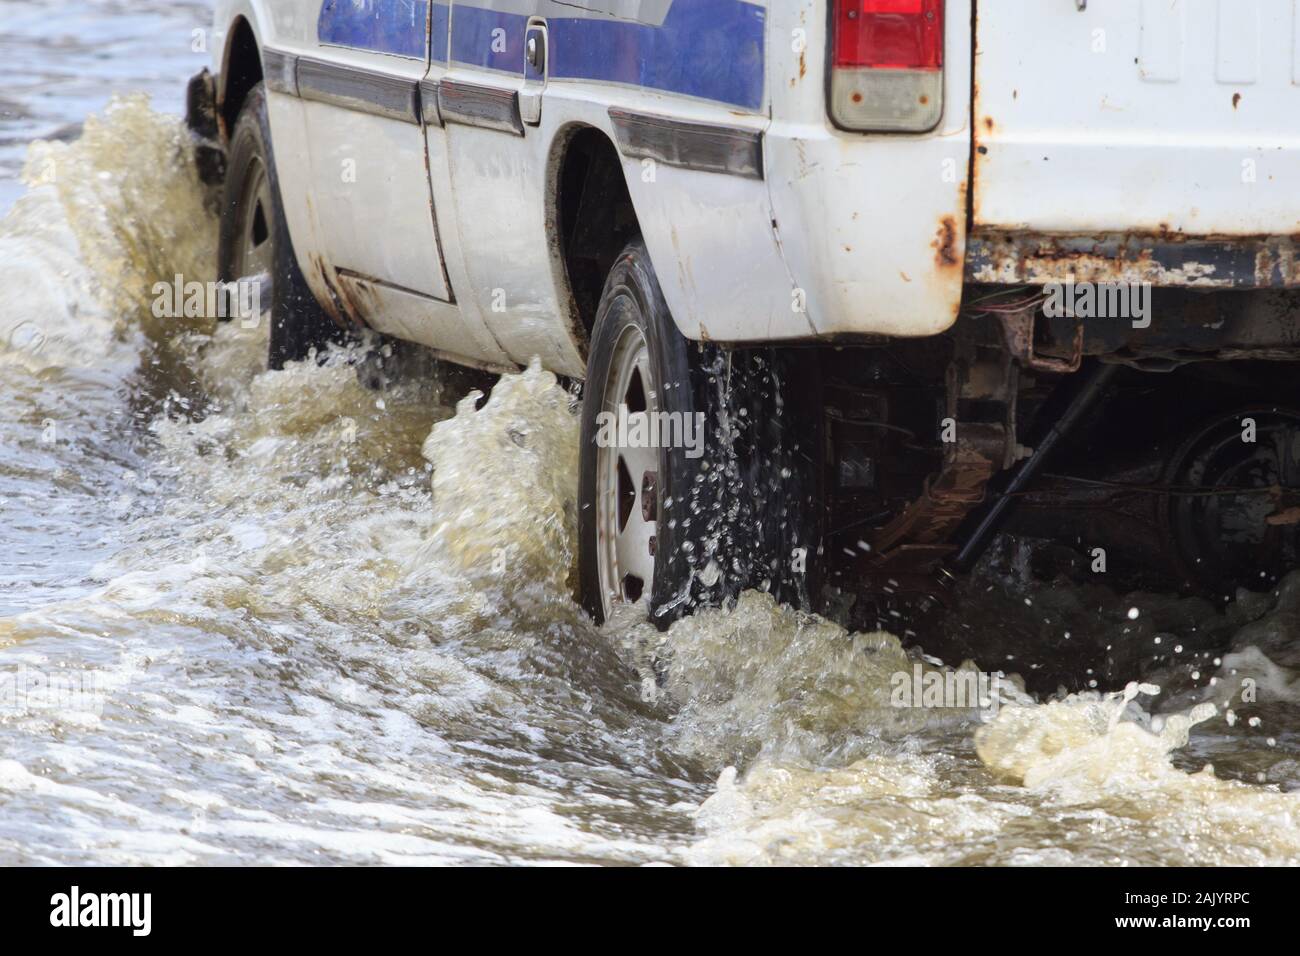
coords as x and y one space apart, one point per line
283 617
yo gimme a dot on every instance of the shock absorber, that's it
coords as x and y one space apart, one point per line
1082 401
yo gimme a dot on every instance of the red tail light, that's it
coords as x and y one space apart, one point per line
887 64
889 34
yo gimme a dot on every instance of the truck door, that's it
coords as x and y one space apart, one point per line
370 184
1137 116
496 161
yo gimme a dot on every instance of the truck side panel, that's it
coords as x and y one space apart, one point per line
764 221
691 69
1162 117
873 225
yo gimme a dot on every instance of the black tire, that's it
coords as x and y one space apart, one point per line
752 504
298 323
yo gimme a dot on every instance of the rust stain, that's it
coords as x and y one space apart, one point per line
1288 517
338 305
803 51
350 305
1236 99
1135 259
988 123
972 203
945 244
1263 263
330 304
966 206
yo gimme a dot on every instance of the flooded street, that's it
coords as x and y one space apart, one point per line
61 60
285 618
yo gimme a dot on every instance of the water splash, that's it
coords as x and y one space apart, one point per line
335 625
105 216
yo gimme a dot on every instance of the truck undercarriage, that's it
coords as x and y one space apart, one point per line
1164 457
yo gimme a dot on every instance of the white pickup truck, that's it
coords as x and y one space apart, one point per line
884 254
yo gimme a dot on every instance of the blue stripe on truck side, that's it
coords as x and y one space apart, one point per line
441 31
712 49
384 26
490 39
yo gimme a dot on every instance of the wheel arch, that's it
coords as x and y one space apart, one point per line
241 70
590 219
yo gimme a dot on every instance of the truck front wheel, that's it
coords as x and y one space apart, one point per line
254 244
701 469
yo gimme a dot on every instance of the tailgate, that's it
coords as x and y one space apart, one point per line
1137 116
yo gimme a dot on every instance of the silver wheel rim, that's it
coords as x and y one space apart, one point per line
627 481
254 248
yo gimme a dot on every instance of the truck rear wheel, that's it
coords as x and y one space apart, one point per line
254 243
700 467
